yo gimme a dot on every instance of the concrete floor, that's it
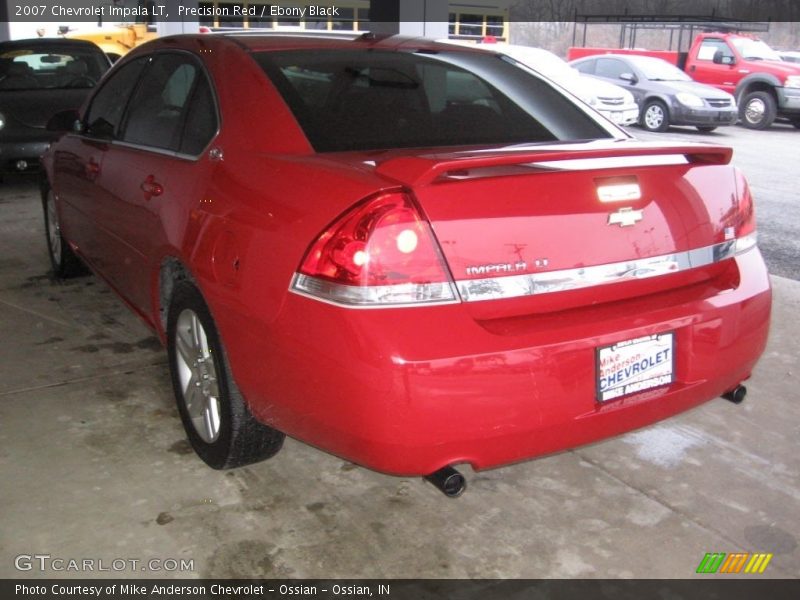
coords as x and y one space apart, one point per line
94 464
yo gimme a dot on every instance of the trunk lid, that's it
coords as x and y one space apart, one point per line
525 231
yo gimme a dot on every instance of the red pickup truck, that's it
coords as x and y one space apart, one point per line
765 87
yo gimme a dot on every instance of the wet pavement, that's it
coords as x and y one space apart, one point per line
94 465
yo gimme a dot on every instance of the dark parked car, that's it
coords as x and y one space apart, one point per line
409 254
38 78
665 94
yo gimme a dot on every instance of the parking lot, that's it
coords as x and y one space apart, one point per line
95 465
771 165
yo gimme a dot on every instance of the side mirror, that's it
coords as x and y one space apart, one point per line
720 58
65 120
629 77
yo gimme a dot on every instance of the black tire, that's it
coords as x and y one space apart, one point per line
218 423
796 123
705 129
758 110
63 260
655 116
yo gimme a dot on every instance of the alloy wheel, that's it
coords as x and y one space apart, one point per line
755 109
197 372
654 116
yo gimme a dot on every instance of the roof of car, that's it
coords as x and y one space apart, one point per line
635 60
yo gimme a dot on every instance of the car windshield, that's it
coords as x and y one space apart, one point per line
369 100
656 69
50 68
754 49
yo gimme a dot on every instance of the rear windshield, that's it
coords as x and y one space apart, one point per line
49 68
370 99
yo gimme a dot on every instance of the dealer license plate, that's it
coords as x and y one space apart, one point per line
635 365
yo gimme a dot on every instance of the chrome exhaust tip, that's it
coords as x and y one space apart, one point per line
736 395
449 481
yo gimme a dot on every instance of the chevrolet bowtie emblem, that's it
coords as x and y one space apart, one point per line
625 217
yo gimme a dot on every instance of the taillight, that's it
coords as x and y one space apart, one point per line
381 252
742 222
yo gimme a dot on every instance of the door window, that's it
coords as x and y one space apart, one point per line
710 46
611 68
105 112
586 67
156 110
173 109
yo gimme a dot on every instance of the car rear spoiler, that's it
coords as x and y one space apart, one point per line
425 169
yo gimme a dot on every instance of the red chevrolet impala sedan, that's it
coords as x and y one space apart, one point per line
408 254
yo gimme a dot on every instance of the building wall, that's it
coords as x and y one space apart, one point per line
470 19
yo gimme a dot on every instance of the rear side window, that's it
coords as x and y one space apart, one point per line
201 119
156 111
364 100
105 112
173 108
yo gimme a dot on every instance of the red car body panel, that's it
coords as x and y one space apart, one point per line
408 393
407 390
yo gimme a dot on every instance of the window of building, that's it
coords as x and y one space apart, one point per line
258 20
345 21
235 16
495 26
470 24
362 19
206 18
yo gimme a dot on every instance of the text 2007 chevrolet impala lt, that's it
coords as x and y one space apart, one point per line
410 255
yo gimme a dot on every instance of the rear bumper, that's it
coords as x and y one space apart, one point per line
619 115
409 391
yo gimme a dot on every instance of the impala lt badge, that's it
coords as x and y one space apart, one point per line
497 268
625 217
